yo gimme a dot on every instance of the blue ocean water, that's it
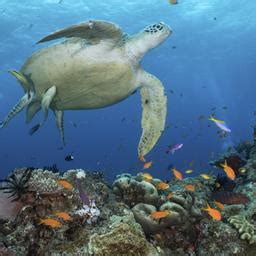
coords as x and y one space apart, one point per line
207 63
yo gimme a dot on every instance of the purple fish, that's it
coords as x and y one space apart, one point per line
85 199
174 148
223 127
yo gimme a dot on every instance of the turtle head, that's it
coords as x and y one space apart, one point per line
148 38
155 34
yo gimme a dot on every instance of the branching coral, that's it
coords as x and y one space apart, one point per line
246 230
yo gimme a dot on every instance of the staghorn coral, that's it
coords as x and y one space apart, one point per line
246 230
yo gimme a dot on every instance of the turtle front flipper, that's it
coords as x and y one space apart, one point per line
154 104
93 31
45 104
23 102
60 124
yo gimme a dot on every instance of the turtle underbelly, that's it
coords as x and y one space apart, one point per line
94 96
83 80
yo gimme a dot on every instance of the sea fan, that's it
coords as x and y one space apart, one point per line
85 199
227 197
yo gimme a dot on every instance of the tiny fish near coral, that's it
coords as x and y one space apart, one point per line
228 170
177 174
65 184
63 215
214 213
50 222
147 165
162 186
159 214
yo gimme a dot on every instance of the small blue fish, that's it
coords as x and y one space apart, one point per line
223 127
174 148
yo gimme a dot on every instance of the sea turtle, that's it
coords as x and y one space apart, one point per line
96 66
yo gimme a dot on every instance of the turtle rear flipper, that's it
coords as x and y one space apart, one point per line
93 31
154 111
23 102
45 104
23 79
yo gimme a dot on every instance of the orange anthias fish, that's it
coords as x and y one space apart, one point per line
159 214
229 171
65 184
147 165
190 187
147 176
63 215
177 174
50 222
214 213
170 195
219 205
162 185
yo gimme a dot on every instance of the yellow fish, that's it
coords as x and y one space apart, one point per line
242 170
147 176
205 176
216 120
188 171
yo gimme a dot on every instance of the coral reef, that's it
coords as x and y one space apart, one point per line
124 237
145 199
246 230
132 191
77 213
